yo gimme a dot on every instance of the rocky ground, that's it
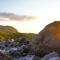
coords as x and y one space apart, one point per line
46 46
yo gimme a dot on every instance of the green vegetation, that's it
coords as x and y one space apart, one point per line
28 36
6 36
8 32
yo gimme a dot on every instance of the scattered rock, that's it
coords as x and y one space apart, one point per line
29 57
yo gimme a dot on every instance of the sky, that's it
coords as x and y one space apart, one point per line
46 10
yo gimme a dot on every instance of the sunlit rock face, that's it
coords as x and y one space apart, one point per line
48 39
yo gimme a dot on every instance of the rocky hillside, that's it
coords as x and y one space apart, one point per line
47 40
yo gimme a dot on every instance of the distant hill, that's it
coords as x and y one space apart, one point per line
8 32
7 29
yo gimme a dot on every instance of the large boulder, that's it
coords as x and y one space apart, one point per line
48 40
50 56
55 58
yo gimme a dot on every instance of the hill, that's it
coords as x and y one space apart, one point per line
7 29
8 33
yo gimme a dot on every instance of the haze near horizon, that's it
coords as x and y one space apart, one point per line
29 16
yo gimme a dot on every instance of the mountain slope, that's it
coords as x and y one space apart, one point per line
7 29
7 32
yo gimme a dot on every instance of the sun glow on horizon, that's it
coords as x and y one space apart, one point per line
35 25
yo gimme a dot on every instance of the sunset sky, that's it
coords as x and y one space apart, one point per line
46 11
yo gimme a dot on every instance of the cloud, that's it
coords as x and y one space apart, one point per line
12 16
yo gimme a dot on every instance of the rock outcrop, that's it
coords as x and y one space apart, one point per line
48 40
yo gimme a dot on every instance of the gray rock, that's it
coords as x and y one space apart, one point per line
55 58
29 57
49 56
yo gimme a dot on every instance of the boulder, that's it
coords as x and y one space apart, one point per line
48 40
49 56
55 58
